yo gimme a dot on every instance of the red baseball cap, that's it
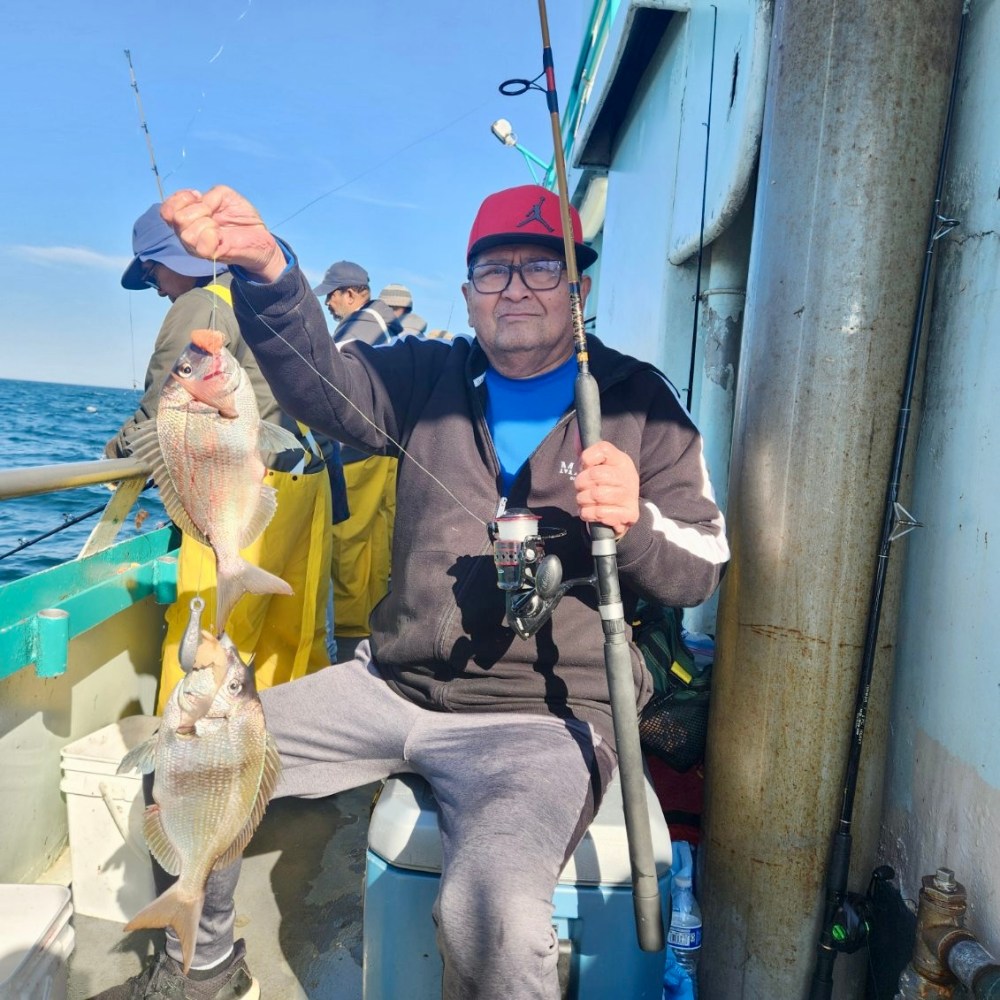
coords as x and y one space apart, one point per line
527 214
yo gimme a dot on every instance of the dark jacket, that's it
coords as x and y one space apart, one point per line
439 637
374 323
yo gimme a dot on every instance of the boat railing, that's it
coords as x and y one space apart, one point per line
129 474
41 613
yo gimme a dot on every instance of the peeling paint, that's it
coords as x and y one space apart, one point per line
950 821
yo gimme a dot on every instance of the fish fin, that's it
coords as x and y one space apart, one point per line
141 758
178 909
268 780
159 844
267 504
274 437
247 579
144 443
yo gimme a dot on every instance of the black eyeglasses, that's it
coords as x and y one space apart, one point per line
149 276
538 275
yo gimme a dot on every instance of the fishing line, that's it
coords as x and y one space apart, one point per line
394 155
364 416
215 298
194 117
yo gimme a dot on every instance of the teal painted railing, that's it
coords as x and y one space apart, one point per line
40 614
602 16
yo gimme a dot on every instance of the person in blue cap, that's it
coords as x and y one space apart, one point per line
296 543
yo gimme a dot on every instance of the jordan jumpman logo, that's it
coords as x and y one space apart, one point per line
534 214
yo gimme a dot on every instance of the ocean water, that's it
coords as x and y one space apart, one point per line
42 423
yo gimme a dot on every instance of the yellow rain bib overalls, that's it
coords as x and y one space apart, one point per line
285 634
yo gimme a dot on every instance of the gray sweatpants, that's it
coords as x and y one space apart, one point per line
515 794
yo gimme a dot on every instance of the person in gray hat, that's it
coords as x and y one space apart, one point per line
360 564
346 291
399 299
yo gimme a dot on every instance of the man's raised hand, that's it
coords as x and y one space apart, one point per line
222 225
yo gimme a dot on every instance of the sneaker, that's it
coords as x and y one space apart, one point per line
164 980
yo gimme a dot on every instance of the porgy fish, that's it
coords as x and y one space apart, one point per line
216 769
204 449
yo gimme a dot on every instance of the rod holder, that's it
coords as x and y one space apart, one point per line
51 642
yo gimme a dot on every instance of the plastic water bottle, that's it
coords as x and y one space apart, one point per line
684 938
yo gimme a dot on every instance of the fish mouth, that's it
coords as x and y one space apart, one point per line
190 703
206 391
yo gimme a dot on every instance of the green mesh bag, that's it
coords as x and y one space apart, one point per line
674 724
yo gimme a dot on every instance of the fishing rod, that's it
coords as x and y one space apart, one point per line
704 199
842 930
142 123
519 545
68 522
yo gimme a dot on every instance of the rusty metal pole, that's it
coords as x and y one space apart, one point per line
854 115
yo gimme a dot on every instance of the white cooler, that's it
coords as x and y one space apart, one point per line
112 872
36 941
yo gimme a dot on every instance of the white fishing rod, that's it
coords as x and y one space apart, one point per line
143 125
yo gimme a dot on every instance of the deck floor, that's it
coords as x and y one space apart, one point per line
298 906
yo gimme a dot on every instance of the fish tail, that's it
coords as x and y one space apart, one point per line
177 909
243 578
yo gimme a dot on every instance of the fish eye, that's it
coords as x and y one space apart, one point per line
184 369
235 687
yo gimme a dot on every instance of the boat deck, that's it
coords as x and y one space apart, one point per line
298 906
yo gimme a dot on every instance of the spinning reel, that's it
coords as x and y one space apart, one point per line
531 580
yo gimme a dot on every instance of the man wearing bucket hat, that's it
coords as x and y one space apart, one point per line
514 736
294 543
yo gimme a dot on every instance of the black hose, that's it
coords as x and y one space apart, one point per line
704 200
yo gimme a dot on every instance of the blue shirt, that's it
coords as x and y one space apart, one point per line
521 411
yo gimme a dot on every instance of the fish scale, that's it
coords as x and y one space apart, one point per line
205 452
215 770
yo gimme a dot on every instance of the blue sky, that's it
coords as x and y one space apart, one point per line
361 130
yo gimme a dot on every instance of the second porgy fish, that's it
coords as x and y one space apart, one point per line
215 770
205 449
